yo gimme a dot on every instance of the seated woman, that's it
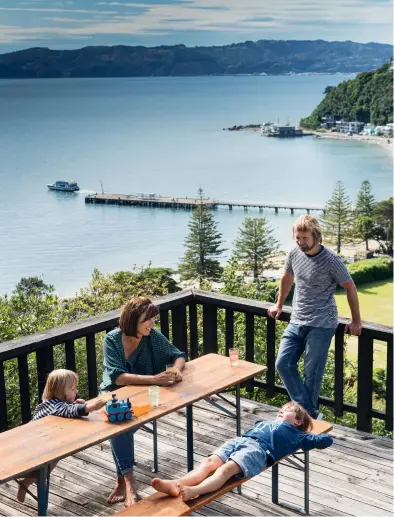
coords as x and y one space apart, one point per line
136 353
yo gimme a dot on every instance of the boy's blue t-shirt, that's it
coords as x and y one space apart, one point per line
280 439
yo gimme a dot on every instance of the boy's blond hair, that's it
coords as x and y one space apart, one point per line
308 223
58 382
302 415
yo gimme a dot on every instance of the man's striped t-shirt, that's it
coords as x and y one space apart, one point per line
316 278
58 407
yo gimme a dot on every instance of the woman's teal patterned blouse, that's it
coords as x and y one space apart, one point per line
151 357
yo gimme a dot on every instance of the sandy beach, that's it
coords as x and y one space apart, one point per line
385 142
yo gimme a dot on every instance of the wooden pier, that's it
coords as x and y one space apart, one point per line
186 203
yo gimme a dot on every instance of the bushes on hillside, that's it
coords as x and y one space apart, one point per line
371 270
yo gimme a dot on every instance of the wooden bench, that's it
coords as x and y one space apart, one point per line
159 504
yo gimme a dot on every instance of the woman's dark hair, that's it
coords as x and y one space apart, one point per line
132 312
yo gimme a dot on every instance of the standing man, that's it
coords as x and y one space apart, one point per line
317 271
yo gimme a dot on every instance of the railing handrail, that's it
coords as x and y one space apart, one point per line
101 322
77 329
257 307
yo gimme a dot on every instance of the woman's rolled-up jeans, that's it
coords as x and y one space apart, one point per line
123 452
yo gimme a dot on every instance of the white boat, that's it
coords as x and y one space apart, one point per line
64 186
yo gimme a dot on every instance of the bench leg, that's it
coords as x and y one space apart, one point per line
155 450
275 483
238 419
189 437
43 490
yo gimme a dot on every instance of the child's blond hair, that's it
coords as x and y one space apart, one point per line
302 415
58 382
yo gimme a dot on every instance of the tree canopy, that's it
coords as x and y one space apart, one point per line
367 98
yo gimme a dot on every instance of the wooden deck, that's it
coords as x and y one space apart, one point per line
353 477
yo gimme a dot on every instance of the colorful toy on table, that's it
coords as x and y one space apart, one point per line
116 410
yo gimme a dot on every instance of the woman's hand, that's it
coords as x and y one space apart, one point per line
166 378
178 374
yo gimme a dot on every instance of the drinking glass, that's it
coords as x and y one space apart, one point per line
234 356
154 395
171 368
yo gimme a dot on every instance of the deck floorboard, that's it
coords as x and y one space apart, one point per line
354 477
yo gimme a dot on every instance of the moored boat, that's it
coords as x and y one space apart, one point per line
64 186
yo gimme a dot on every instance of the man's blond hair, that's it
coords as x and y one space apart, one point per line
308 223
58 382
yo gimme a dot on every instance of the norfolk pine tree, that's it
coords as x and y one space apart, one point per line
337 219
255 245
364 213
203 246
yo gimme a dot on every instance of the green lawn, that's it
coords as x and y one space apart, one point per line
376 305
376 302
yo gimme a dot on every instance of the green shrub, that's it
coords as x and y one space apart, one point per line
371 270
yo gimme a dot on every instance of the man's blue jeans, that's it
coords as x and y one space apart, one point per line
123 452
315 342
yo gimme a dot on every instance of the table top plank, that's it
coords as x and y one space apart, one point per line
38 443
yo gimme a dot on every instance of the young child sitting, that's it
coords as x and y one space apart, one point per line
246 456
59 398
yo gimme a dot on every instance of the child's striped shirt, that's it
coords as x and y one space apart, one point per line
58 407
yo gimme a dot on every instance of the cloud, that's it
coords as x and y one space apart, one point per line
141 18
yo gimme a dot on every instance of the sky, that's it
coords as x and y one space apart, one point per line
77 23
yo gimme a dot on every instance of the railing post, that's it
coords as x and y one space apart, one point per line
210 328
24 391
164 326
44 359
3 402
70 355
249 345
229 330
271 338
193 331
179 330
338 371
389 385
92 366
364 381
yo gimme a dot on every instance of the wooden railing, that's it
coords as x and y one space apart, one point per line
195 331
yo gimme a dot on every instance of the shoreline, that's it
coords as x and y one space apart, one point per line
385 142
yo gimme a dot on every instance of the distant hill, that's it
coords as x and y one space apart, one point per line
260 57
367 98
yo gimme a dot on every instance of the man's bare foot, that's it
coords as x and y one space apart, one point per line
118 494
168 486
188 492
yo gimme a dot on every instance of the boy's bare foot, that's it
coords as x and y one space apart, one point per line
168 486
118 494
188 492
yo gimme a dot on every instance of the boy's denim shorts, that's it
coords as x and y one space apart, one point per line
247 454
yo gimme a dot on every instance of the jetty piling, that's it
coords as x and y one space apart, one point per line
187 203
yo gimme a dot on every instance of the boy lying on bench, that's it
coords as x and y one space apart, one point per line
246 456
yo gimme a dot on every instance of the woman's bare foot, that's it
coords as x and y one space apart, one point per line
188 492
168 486
130 490
118 494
